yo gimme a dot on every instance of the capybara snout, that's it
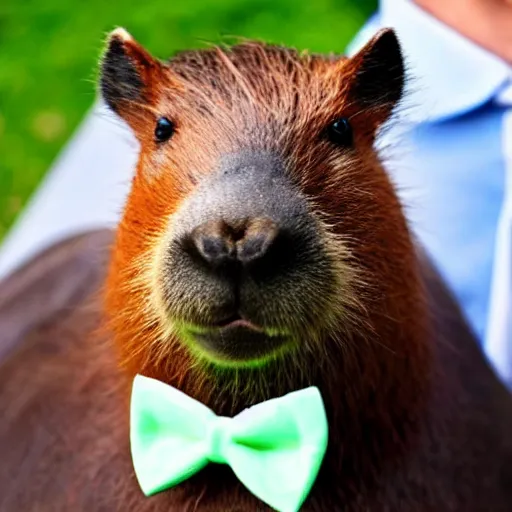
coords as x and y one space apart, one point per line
247 234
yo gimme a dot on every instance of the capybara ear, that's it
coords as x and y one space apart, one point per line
129 74
378 73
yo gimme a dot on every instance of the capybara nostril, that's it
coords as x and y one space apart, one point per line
258 237
219 242
214 242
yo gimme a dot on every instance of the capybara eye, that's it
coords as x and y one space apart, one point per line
164 129
340 132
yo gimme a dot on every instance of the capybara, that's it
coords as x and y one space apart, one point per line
262 250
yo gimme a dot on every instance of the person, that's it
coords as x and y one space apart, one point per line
450 156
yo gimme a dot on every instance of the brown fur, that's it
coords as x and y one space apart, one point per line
417 420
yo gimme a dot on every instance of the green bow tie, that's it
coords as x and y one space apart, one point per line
275 448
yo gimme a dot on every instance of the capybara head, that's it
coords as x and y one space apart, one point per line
261 229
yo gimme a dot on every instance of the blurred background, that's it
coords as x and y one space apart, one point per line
49 52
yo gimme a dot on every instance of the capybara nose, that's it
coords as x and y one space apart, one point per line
219 242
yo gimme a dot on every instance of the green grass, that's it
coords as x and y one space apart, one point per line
49 51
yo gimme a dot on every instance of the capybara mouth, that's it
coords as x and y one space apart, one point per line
235 342
236 320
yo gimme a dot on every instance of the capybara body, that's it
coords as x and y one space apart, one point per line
262 250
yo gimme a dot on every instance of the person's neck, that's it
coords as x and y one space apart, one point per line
486 22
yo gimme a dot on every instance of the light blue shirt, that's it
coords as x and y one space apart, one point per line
450 163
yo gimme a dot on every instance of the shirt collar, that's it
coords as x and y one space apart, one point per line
449 74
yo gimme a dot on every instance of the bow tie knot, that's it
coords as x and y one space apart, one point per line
218 437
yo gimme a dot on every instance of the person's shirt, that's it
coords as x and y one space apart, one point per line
453 165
